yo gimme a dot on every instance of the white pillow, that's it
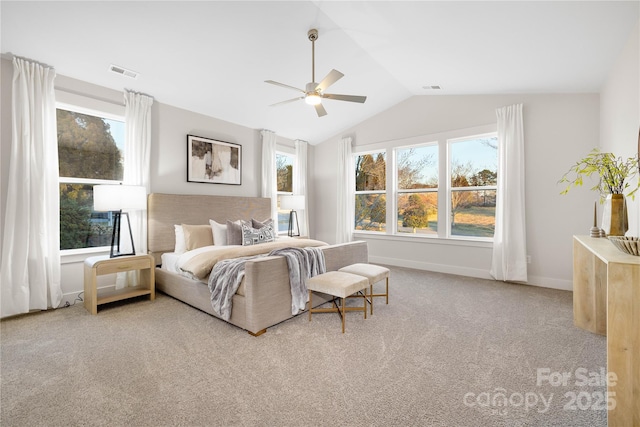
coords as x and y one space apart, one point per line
219 233
181 247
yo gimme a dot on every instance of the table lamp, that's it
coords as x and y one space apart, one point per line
115 199
293 203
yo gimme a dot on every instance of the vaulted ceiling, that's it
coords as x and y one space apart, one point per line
212 57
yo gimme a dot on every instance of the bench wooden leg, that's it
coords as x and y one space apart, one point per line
343 314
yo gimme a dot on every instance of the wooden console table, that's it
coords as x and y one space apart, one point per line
606 301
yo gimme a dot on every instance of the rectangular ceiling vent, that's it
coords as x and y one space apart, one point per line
123 71
433 87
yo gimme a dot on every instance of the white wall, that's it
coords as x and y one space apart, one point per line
620 113
559 129
171 125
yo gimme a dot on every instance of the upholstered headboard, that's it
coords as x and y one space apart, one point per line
166 210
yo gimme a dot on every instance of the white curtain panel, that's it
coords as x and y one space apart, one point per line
137 155
509 262
345 192
30 267
269 184
300 184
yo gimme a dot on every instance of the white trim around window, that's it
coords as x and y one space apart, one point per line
94 107
443 190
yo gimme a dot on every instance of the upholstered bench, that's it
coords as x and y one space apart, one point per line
340 285
374 274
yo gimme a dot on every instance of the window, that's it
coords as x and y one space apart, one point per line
417 189
284 171
90 152
445 188
370 195
473 172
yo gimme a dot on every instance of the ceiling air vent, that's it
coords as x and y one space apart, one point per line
123 71
434 87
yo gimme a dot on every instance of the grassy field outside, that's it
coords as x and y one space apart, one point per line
476 221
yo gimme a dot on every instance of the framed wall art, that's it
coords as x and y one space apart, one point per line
213 162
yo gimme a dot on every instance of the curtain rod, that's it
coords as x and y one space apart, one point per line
10 56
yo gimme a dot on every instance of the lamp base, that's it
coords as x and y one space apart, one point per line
115 238
293 215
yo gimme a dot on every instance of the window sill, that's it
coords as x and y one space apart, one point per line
454 241
70 256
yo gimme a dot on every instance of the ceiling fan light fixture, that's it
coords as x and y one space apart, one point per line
313 99
314 92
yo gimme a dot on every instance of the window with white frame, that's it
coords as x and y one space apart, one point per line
473 178
370 192
417 189
90 152
445 188
284 178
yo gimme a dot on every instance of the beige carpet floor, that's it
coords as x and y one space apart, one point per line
442 353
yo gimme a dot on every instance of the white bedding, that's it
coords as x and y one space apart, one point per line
173 262
170 262
199 262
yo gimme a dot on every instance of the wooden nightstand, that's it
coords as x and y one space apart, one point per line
101 265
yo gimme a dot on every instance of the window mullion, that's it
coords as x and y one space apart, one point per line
444 195
392 202
71 180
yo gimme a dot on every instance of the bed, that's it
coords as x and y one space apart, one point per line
264 298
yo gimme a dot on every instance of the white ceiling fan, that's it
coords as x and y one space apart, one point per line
314 92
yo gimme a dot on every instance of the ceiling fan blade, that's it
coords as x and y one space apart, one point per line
283 85
320 110
350 98
331 78
287 101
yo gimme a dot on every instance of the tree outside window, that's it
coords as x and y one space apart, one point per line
89 152
431 197
284 179
474 175
417 189
370 197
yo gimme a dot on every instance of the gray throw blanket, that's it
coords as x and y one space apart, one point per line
224 282
303 263
227 275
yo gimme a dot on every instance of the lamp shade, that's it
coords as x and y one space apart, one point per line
291 202
119 197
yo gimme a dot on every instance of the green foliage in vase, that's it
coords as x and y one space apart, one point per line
615 174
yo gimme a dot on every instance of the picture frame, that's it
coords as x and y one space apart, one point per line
213 162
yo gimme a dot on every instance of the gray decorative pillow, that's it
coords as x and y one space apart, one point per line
234 232
259 224
253 236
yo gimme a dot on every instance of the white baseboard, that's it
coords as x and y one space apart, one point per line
543 282
77 297
71 298
550 282
438 268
